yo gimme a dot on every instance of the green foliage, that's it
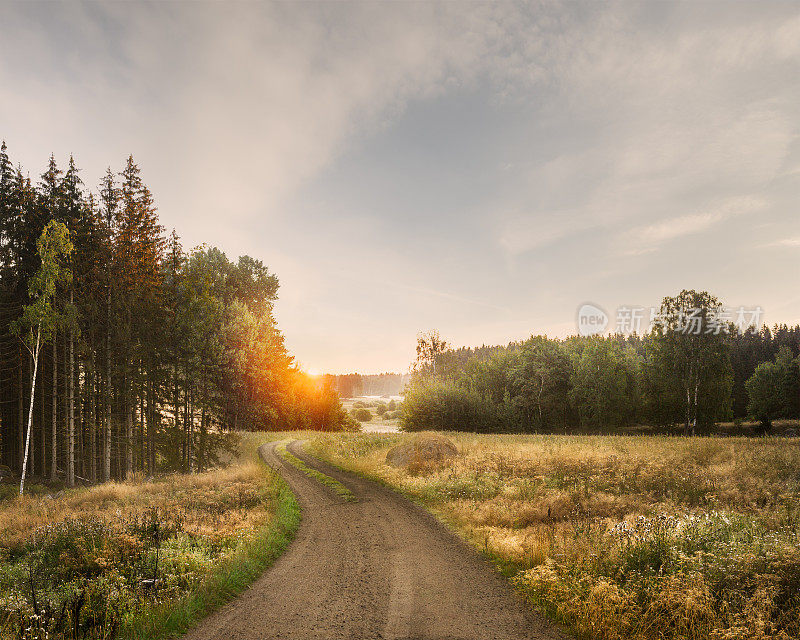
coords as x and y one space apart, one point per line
165 349
774 389
381 409
362 414
689 360
430 347
603 382
679 373
442 405
540 383
39 317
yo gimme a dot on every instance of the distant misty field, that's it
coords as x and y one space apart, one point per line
375 414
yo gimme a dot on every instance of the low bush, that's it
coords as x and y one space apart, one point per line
362 415
437 405
717 576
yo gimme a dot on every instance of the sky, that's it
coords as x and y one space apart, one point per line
478 169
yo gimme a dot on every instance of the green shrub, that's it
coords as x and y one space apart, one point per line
362 415
447 406
392 406
381 409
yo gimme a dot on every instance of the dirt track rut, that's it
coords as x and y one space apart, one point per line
379 567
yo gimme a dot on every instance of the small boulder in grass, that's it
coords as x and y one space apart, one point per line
424 448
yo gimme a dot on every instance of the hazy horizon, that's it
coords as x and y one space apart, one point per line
406 167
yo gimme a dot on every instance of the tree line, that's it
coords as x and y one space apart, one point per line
152 351
669 377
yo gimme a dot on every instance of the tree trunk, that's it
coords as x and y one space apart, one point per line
107 395
129 440
42 432
21 412
128 413
151 423
30 410
54 416
71 407
81 394
188 421
142 449
93 426
176 406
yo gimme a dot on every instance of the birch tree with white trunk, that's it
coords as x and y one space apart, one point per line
40 319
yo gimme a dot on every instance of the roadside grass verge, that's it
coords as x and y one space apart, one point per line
638 538
141 559
229 578
320 477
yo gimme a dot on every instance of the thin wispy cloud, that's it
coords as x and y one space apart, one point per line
483 160
651 237
785 242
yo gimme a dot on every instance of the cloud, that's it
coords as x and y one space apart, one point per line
785 242
230 108
605 130
648 238
669 119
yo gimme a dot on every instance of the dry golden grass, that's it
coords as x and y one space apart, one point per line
214 503
115 555
622 537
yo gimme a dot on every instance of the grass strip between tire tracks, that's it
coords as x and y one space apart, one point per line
320 477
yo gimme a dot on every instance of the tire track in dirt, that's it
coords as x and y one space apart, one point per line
379 567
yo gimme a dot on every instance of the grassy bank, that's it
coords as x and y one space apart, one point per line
622 537
143 559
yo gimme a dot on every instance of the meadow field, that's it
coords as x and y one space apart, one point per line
144 558
620 537
375 414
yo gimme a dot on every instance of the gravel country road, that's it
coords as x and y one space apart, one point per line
377 568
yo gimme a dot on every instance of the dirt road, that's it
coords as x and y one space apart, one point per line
379 567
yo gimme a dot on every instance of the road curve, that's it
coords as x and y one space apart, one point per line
378 567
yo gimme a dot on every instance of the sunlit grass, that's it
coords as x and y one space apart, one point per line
621 537
141 559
